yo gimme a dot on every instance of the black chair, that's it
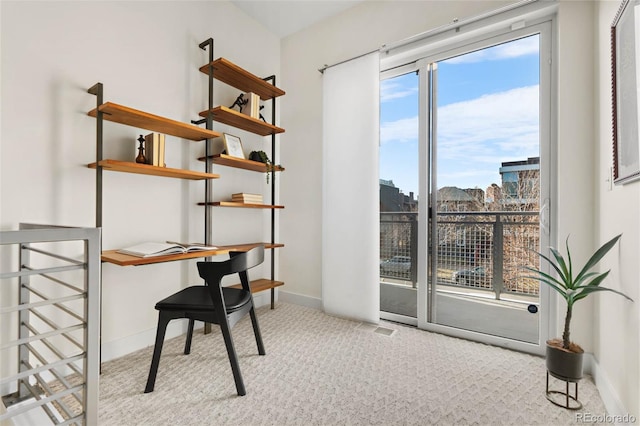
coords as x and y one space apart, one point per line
214 304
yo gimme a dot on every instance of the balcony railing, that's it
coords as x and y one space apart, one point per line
476 250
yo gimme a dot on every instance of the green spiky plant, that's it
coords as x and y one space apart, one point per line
574 288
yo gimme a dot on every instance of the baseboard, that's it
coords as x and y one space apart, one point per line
299 299
129 344
263 298
612 402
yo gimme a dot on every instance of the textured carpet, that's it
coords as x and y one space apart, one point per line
321 370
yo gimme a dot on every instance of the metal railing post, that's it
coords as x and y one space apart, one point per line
413 250
23 317
498 256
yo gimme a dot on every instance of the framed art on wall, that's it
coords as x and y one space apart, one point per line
625 52
233 145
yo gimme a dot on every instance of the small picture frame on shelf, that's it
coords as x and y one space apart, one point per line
233 146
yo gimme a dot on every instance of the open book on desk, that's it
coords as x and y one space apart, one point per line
151 249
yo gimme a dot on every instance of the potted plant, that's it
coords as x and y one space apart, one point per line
564 358
262 157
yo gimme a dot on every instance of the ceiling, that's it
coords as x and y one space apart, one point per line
287 17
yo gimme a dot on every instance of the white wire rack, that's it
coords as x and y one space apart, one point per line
50 323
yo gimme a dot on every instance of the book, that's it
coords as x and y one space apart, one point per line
151 148
154 149
252 107
247 198
151 249
161 162
246 195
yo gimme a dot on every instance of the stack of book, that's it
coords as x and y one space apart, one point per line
252 107
154 149
242 197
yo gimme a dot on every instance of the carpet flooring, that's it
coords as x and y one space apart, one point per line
322 370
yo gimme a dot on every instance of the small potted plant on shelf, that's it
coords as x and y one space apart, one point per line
564 357
262 157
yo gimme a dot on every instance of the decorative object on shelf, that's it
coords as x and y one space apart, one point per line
252 105
260 114
140 158
262 157
564 357
240 102
233 145
154 147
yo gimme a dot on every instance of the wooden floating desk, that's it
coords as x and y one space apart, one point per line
112 256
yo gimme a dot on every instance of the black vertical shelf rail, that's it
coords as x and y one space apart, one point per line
273 189
208 185
98 90
208 152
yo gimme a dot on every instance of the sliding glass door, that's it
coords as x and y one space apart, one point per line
464 189
485 198
399 168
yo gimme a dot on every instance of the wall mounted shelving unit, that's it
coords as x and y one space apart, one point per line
223 70
227 72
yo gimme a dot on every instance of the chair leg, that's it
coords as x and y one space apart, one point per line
256 330
233 358
187 344
157 350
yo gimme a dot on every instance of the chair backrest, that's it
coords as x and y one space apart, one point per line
212 272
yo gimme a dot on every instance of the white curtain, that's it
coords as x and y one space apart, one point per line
350 203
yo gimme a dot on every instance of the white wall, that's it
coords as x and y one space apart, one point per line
616 321
575 153
147 56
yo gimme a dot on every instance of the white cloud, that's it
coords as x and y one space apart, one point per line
476 136
513 49
497 125
391 90
402 130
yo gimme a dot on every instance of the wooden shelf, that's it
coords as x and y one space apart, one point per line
249 246
260 285
240 205
155 123
112 256
148 169
228 72
225 115
241 163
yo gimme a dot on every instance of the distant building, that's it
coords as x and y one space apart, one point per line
494 194
521 183
453 199
392 199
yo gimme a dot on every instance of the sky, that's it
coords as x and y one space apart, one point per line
488 113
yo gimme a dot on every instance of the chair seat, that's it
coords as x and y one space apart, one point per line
198 298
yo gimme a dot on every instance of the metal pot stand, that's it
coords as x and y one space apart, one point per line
571 402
